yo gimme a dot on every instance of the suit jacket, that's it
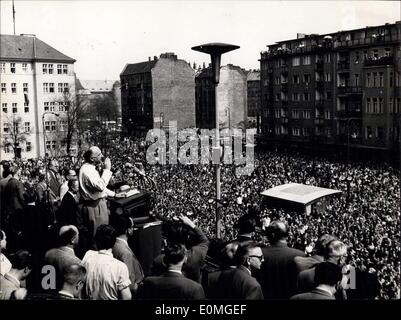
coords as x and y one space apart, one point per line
306 280
54 183
14 196
195 258
60 258
3 183
304 263
315 294
235 284
123 252
170 286
278 274
68 212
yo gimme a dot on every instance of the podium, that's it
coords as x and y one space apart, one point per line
146 241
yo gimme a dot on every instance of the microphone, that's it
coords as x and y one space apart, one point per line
135 169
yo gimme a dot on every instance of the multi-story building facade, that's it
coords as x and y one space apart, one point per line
253 96
339 88
231 98
155 92
35 80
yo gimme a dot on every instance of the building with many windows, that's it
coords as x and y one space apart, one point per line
155 92
253 83
35 80
341 88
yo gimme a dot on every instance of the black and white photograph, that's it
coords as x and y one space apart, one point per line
196 152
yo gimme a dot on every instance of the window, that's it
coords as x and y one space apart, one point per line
327 114
3 88
12 67
25 67
54 144
6 127
296 132
51 87
27 127
277 130
52 106
368 106
45 88
278 97
380 133
307 96
380 79
306 114
328 95
47 125
59 69
356 57
50 69
277 113
327 58
44 68
387 52
66 89
26 109
66 106
380 110
52 125
306 132
374 105
390 105
374 79
4 107
14 107
307 79
60 88
356 79
46 106
296 96
28 146
13 88
296 61
391 78
369 132
295 114
368 80
295 79
25 87
2 67
327 77
48 145
306 60
65 68
375 54
277 80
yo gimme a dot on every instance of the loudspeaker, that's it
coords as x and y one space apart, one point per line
146 242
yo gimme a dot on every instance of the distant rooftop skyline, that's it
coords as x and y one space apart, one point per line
103 36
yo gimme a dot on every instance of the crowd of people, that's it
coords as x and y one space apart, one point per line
42 206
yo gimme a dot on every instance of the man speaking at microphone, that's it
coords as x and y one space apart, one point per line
93 188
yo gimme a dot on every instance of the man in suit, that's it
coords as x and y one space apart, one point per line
69 214
64 256
304 263
21 268
278 275
238 283
327 276
124 228
71 175
7 175
172 285
54 177
73 282
185 232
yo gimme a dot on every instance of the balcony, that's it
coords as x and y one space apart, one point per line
343 66
368 41
349 114
348 90
382 61
284 119
319 121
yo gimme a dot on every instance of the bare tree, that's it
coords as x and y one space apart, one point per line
16 134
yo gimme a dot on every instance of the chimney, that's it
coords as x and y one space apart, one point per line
154 58
149 59
301 35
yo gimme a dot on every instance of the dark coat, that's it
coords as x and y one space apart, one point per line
235 284
170 286
315 294
68 213
278 275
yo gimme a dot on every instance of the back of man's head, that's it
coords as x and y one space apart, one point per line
322 242
174 254
228 254
242 252
67 235
276 231
246 224
122 224
20 260
327 273
105 237
73 274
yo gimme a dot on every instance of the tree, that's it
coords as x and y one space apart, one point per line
15 136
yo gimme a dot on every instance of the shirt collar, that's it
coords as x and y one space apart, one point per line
323 289
68 248
175 271
106 252
123 241
65 293
13 279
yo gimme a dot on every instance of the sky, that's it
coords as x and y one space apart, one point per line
103 36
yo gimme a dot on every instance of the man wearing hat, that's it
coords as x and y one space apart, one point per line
93 189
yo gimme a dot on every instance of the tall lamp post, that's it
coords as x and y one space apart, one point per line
216 50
